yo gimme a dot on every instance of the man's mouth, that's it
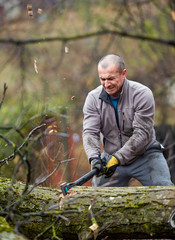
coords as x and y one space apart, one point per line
109 89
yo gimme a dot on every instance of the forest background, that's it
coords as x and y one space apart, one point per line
49 53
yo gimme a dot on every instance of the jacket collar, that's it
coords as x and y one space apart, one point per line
105 97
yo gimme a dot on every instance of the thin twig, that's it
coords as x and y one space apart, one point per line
12 156
7 128
3 96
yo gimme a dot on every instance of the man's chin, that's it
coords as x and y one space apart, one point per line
111 93
114 94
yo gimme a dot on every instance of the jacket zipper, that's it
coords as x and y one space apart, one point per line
119 131
123 121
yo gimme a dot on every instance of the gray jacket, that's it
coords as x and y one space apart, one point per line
131 134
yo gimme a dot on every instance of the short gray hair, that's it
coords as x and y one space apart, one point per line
112 59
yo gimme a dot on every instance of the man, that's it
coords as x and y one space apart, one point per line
121 113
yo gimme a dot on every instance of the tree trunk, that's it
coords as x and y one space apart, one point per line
130 212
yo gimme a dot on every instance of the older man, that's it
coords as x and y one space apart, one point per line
121 113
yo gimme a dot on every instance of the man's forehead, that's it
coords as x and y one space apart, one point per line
107 74
108 69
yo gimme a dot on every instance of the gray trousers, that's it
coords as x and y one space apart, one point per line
150 169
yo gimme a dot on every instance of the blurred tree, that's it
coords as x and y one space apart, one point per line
49 52
91 29
50 58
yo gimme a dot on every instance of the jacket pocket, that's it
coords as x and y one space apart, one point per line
126 118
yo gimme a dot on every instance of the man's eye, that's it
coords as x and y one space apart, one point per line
108 79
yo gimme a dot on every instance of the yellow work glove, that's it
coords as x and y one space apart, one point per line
111 166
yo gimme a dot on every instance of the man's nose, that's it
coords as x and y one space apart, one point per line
107 83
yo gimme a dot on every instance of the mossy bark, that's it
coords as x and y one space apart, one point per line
7 232
131 212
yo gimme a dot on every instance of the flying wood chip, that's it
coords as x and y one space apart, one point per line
40 11
29 10
173 15
66 49
35 66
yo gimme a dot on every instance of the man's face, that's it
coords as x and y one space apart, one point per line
111 79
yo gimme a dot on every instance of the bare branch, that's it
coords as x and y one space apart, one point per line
88 35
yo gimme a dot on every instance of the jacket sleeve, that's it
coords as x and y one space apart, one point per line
143 128
91 127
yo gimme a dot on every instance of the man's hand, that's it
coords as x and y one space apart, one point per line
111 166
96 163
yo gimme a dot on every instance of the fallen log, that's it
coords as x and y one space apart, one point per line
86 212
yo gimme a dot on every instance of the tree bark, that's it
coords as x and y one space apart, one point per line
130 212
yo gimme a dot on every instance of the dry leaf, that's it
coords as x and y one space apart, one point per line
72 98
94 229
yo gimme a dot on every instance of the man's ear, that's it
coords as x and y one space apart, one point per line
124 72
